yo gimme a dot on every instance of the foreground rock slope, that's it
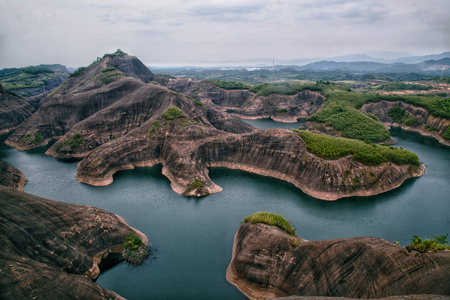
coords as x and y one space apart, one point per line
268 263
51 250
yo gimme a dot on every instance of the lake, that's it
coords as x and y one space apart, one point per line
192 238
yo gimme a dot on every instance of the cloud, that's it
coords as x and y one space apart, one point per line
189 31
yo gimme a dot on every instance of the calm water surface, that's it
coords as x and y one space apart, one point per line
192 238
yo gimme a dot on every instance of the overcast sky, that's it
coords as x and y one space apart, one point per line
180 32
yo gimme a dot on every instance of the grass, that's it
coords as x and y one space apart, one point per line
329 147
438 243
272 220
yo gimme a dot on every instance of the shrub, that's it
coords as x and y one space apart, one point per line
272 220
132 241
397 114
79 71
197 187
108 69
74 141
446 135
436 244
135 251
173 113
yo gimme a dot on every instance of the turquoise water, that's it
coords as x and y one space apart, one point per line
192 238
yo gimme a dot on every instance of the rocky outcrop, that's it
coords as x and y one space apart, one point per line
80 96
267 264
186 149
245 104
424 119
11 177
13 110
125 123
51 250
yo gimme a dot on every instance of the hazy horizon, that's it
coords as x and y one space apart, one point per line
203 32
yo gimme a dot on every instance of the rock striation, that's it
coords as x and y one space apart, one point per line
267 264
51 250
11 177
245 104
114 115
422 116
13 110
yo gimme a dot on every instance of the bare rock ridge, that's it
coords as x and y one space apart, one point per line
13 110
52 250
243 103
267 264
115 115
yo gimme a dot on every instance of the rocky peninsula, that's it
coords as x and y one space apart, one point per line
53 250
269 263
116 115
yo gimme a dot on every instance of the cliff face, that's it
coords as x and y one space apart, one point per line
51 249
424 118
267 264
109 116
246 104
186 149
11 177
13 111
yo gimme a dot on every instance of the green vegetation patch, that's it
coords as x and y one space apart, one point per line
446 134
439 243
197 188
353 124
74 141
332 148
135 251
398 86
108 69
173 113
397 114
272 220
228 85
437 106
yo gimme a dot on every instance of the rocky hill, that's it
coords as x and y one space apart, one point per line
13 110
246 104
33 80
268 263
52 250
116 114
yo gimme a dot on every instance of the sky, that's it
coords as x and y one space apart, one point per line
201 32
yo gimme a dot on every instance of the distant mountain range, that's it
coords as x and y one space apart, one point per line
434 66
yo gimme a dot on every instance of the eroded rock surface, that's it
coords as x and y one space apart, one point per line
11 177
267 264
51 250
243 103
13 110
111 115
423 117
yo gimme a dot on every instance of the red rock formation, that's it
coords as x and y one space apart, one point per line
51 250
267 264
